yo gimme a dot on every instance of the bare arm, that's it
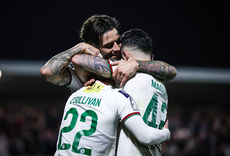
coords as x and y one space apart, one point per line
93 64
100 66
159 69
55 70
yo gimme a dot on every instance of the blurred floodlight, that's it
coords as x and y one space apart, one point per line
202 75
184 74
21 67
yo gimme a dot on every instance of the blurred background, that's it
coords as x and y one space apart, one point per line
191 35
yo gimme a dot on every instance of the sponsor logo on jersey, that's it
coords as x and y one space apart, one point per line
86 100
132 102
96 88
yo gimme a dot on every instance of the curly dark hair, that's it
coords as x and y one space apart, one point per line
95 26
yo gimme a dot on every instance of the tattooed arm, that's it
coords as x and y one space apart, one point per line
55 70
159 69
99 66
93 64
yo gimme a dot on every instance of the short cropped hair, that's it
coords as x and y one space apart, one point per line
139 39
95 26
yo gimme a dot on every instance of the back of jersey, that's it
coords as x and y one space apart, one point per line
151 98
90 121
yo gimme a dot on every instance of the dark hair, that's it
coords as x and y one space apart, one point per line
95 26
137 38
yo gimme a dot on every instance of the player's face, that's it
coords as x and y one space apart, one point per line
111 45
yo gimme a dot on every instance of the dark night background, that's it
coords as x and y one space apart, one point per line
189 33
192 35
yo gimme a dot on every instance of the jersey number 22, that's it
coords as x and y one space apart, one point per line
79 134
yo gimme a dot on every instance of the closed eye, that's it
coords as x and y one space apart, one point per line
109 45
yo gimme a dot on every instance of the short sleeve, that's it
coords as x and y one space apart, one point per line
75 83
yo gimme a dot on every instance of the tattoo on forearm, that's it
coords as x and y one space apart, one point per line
60 61
57 64
90 49
63 81
158 69
94 65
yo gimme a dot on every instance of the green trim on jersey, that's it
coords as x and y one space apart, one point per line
111 70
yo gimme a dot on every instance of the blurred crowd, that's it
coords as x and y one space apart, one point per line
27 129
199 133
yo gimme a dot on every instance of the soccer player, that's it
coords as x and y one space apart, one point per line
101 37
148 92
91 117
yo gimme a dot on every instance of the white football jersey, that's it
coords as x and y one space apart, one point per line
151 98
75 82
90 120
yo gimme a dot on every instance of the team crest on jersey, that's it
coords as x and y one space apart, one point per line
132 102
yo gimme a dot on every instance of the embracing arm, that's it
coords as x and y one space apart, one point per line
126 70
55 70
92 64
159 69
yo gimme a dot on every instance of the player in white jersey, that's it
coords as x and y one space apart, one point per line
100 35
91 117
151 98
149 93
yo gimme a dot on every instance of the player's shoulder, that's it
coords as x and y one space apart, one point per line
144 76
120 94
123 93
